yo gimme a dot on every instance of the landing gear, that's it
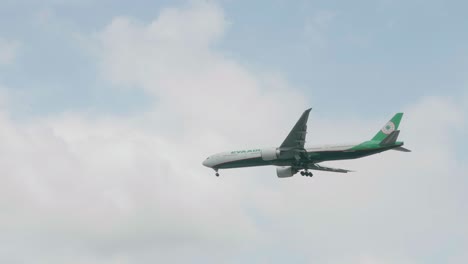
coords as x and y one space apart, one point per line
217 174
306 173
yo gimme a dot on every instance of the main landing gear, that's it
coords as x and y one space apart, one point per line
306 173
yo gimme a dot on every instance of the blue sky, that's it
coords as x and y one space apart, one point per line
366 50
107 109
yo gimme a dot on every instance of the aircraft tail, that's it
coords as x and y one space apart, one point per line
389 132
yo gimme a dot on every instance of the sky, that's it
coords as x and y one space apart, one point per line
108 108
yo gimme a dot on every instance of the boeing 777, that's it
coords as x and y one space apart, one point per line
292 157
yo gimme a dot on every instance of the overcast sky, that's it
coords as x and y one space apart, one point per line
108 108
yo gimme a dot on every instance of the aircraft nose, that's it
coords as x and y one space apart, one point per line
206 163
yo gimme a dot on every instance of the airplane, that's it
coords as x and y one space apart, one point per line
292 157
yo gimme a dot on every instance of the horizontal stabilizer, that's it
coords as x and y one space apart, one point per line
391 138
323 168
402 149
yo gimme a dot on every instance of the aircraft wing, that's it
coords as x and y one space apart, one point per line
323 168
296 138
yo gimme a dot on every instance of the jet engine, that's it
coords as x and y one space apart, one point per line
284 172
270 153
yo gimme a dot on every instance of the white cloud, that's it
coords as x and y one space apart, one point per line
171 59
94 189
104 187
108 186
8 51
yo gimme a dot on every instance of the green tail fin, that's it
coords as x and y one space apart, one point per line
389 127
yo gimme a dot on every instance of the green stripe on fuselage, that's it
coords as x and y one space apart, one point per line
359 151
373 144
362 150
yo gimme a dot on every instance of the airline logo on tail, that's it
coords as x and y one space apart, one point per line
388 128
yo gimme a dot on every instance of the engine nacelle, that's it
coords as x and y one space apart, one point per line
270 153
284 172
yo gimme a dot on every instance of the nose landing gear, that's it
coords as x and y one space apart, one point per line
217 174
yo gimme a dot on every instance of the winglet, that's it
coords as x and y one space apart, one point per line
296 138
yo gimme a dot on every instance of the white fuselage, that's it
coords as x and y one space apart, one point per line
249 158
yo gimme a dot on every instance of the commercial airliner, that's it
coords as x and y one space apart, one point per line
292 157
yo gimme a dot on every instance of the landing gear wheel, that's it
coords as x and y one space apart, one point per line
302 173
217 174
